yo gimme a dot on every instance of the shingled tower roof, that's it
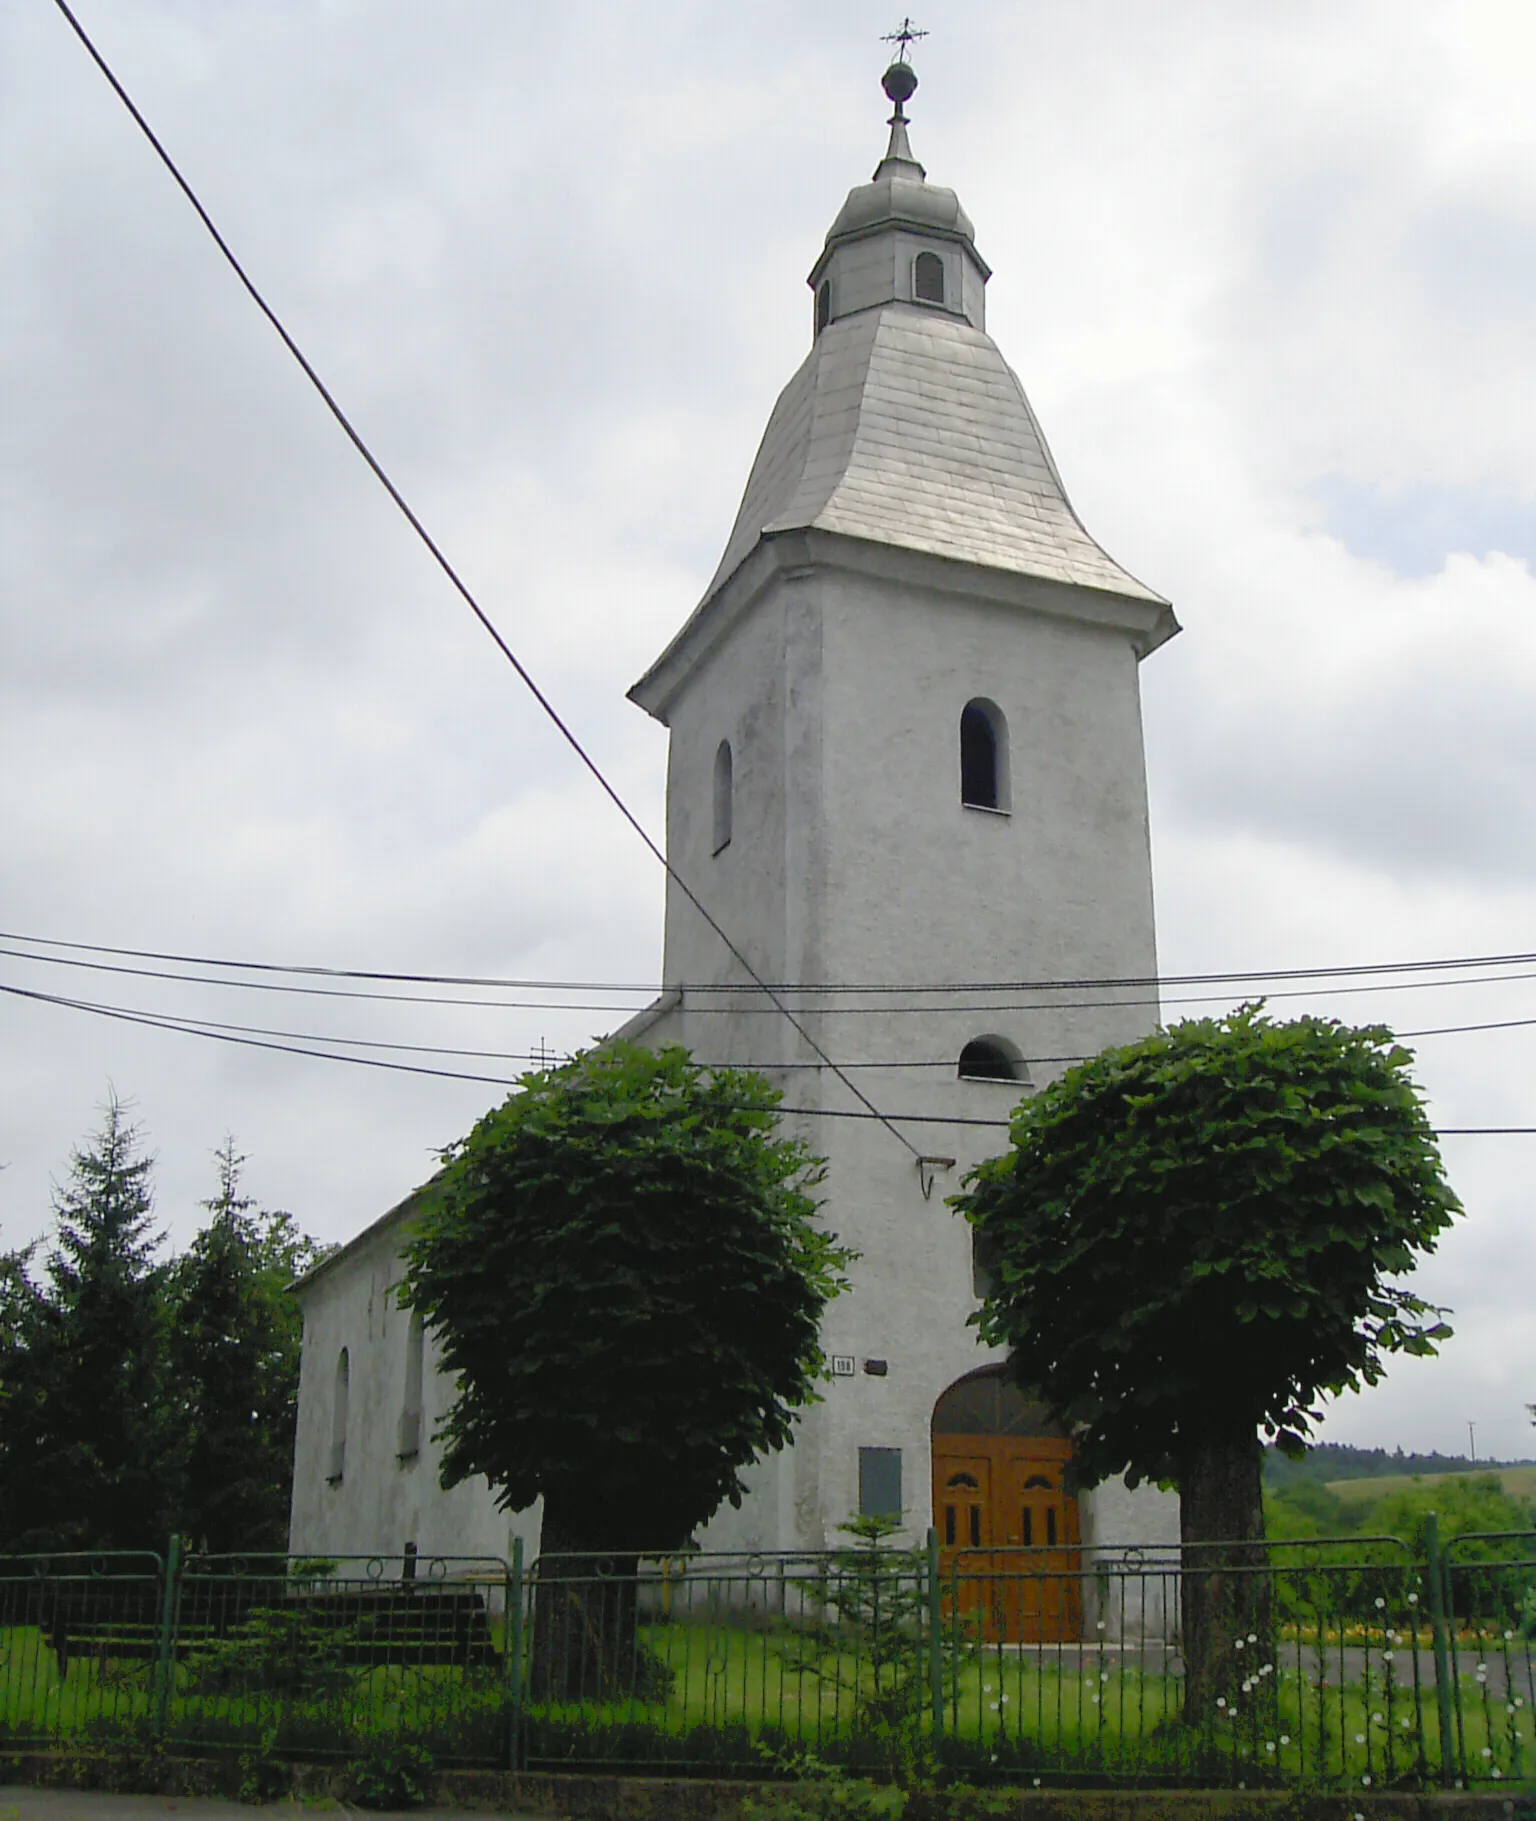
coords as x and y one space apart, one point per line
905 425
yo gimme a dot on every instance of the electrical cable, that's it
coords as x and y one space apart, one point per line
1238 977
267 985
228 1034
460 586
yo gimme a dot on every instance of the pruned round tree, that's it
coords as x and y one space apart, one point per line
1194 1237
624 1273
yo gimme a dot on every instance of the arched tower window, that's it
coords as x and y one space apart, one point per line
991 1059
339 1418
410 1412
823 304
983 756
928 278
723 793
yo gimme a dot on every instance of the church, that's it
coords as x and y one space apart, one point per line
906 774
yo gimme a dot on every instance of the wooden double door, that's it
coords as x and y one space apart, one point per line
1009 1541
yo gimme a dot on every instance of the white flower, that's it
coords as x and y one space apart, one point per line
1247 1688
1238 1645
1366 1781
1386 1656
1101 1625
1497 1772
1376 1719
994 1760
1487 1751
1413 1600
1094 1698
1405 1724
1037 1783
1359 1738
1253 1637
1519 1700
1002 1700
1507 1636
994 1706
1285 1738
1105 1676
1509 1707
1221 1700
1380 1603
1269 1745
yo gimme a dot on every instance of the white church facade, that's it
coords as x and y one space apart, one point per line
905 758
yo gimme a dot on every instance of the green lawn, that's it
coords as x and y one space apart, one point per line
731 1695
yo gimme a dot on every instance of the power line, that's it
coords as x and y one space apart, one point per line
245 1037
265 984
452 574
1248 976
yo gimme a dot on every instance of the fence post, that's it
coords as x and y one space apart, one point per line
515 1653
935 1638
165 1641
1443 1659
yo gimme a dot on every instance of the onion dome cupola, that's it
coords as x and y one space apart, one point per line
899 238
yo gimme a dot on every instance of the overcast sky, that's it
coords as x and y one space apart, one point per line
1267 273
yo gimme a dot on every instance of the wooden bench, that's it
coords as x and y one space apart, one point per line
395 1624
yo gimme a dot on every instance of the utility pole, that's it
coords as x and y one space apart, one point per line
1472 1439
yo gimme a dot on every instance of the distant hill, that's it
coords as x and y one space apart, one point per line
1519 1482
1329 1462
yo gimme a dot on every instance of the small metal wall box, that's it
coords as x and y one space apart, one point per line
876 1368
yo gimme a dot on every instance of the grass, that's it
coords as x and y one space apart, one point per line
1517 1482
729 1695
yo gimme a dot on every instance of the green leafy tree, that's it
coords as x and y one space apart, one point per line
625 1277
235 1335
85 1440
1194 1237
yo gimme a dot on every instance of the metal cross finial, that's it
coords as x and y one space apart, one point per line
904 39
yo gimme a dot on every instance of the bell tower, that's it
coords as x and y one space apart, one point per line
906 775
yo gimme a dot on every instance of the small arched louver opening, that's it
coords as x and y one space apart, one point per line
990 1059
339 1417
928 278
983 756
724 792
823 304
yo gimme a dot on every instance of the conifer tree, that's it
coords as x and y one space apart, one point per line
85 1436
235 1335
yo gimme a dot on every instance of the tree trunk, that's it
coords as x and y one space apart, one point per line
585 1617
1228 1628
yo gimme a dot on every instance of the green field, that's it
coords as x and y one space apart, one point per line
1517 1482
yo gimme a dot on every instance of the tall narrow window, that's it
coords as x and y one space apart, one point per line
339 1418
928 278
410 1413
983 756
823 304
723 794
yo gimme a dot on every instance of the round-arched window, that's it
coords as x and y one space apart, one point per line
724 806
984 782
339 1399
991 1059
928 278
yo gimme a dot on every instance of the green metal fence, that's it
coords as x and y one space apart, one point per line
1336 1665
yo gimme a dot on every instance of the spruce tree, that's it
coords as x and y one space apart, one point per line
85 1452
235 1336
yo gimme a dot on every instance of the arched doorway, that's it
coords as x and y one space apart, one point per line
1008 1530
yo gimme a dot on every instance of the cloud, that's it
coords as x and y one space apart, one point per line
1266 277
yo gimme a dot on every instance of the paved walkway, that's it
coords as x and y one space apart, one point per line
19 1803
